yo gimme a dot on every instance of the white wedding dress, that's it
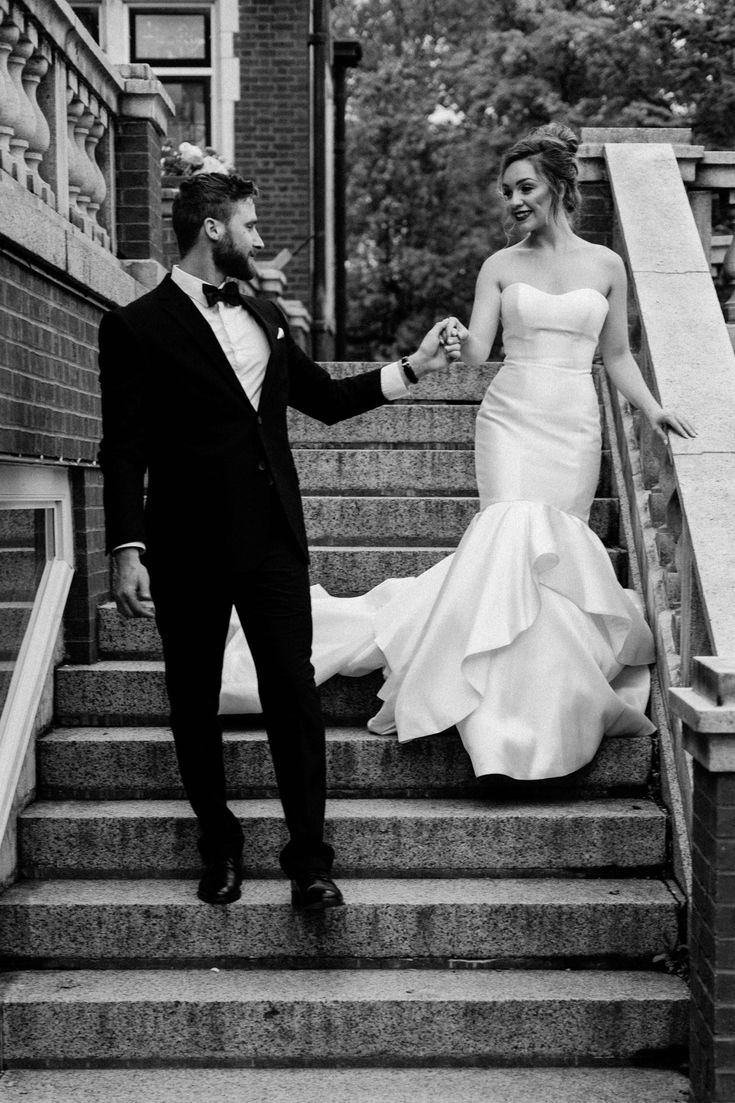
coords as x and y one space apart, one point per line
522 638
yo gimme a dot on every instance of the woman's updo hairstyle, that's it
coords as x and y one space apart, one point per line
552 149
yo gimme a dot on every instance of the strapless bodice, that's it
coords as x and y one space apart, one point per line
554 331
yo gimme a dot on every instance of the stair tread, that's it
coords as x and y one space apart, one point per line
161 734
419 892
434 1085
330 986
358 808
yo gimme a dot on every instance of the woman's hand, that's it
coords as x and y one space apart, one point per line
453 333
662 421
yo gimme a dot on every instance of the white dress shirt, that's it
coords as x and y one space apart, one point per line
246 347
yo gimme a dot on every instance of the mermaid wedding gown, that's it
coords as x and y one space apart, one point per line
522 638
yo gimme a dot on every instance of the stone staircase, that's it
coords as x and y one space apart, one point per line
498 941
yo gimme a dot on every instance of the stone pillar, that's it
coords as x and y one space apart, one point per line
271 282
700 200
707 712
145 109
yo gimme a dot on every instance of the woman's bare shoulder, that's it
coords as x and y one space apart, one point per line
497 264
608 260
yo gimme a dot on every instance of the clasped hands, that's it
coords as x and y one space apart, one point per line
441 345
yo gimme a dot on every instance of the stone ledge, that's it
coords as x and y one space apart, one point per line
29 224
148 273
707 711
432 1085
144 97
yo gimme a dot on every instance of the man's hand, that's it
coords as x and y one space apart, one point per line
440 346
455 332
130 586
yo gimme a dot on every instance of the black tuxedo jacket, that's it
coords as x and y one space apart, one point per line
173 407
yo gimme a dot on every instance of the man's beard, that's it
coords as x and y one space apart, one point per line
230 260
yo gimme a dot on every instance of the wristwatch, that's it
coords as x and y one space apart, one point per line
408 371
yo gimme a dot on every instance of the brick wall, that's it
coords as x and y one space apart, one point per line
48 367
272 126
712 936
170 246
138 172
596 217
49 408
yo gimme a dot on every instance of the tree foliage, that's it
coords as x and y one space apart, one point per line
445 85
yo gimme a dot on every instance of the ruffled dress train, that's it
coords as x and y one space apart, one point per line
523 638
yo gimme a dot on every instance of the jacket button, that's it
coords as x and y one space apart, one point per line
261 465
260 420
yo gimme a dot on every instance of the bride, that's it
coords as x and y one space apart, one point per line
523 638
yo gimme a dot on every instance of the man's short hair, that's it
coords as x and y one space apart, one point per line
206 195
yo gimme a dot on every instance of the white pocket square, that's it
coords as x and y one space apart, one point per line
279 335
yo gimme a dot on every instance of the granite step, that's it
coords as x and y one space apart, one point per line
19 527
379 1085
487 923
14 617
342 571
411 425
456 383
124 692
372 837
134 763
392 471
424 425
399 471
19 574
332 1017
408 522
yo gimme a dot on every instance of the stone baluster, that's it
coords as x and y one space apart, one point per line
9 101
707 714
77 162
34 72
98 188
25 121
87 175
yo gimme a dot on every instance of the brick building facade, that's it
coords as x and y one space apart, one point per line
83 228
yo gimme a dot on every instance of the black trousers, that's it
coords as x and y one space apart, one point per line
273 603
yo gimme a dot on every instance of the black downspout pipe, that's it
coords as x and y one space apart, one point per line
347 55
319 41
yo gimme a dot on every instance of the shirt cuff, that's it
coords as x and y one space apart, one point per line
132 544
392 382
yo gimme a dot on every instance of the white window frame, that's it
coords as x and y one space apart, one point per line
34 486
224 71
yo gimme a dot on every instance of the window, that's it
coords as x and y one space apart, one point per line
36 560
190 44
89 16
176 43
26 545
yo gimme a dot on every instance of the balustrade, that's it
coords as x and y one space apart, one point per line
60 102
682 500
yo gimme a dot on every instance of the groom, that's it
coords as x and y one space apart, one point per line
196 381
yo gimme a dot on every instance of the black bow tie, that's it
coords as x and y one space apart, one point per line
228 293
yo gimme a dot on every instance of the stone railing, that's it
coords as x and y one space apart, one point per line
61 107
682 499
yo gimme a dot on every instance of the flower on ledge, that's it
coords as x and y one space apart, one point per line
188 160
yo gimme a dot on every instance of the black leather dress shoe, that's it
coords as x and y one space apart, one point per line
315 893
221 882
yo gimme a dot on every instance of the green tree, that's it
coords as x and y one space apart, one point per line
444 87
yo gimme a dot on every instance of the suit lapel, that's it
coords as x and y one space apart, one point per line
183 311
